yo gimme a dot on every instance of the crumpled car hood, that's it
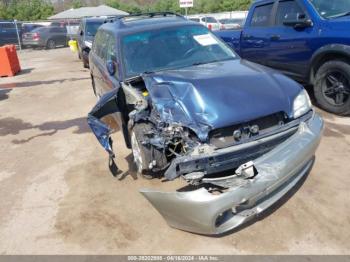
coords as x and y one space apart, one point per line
220 94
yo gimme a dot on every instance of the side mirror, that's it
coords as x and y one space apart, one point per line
111 67
298 23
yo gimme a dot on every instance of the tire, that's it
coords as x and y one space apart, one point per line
85 64
145 155
332 87
93 86
50 44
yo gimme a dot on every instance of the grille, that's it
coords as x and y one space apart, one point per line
223 137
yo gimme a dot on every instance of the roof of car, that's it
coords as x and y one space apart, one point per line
142 22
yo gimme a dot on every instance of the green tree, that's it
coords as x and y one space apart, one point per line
77 4
202 6
130 8
26 10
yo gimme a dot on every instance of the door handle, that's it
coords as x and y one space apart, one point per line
246 37
275 37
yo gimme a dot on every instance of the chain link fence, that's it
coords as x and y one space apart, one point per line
11 32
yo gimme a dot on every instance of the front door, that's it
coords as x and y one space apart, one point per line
290 49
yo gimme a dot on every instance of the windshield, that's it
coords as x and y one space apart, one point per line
171 48
39 29
331 9
91 27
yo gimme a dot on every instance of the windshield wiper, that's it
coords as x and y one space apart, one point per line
209 62
147 72
206 62
340 15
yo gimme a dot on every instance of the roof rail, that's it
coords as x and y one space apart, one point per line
148 15
152 14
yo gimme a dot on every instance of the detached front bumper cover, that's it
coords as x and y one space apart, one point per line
279 171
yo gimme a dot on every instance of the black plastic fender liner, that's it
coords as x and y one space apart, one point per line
106 105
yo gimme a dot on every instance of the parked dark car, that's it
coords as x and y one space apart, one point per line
307 40
49 37
239 134
8 32
86 33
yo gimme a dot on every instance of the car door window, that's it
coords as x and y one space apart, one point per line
261 16
288 10
111 54
54 30
95 43
98 44
103 45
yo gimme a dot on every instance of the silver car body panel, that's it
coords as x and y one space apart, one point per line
279 170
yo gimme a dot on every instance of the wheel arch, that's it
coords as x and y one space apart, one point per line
328 53
49 39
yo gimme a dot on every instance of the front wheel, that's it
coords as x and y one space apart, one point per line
332 87
146 158
85 63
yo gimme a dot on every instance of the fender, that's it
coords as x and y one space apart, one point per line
107 104
336 49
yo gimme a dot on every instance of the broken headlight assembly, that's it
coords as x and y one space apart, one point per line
178 140
301 104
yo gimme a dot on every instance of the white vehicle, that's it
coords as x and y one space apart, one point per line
229 23
207 21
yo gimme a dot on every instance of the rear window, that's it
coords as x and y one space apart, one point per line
39 29
91 27
261 15
28 28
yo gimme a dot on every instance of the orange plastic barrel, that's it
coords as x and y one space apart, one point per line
9 63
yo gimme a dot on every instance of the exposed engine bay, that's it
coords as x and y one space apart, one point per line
233 172
165 140
241 135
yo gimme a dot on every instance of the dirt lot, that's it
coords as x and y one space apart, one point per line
58 197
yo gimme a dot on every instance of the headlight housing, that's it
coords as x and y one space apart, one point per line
88 44
302 104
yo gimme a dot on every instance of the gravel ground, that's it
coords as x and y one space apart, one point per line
58 197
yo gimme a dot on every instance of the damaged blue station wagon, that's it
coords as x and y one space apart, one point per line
241 135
